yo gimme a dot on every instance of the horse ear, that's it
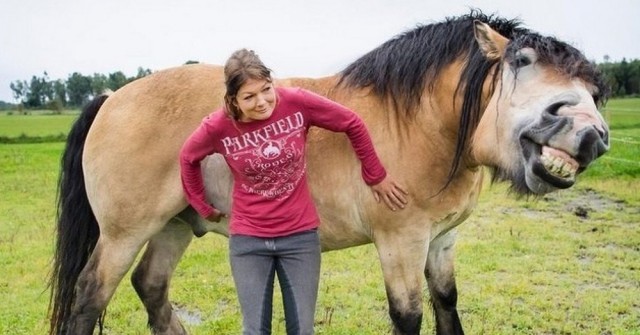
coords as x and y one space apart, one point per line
490 41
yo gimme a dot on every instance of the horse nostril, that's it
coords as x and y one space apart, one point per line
593 143
554 107
604 134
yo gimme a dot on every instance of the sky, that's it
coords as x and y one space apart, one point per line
295 38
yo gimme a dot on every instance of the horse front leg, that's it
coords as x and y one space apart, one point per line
439 272
152 276
402 257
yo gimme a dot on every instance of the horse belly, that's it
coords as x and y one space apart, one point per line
341 222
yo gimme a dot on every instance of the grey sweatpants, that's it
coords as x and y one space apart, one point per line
255 262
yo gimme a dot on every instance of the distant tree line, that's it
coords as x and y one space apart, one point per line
43 93
623 77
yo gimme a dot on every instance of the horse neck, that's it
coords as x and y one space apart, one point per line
418 148
435 130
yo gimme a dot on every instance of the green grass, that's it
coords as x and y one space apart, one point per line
38 128
523 267
623 113
622 160
28 176
623 104
538 268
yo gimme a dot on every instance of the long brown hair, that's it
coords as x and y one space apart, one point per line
242 65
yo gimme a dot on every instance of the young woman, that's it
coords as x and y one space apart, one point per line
273 221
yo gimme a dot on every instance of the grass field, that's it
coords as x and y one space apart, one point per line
567 263
38 127
623 116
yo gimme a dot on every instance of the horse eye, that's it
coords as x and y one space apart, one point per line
597 99
520 61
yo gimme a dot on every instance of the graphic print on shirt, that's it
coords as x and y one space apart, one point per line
270 158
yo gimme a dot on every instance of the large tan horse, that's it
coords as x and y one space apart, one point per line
441 101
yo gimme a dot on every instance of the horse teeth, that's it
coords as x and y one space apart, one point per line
558 166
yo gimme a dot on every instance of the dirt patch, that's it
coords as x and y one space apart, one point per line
588 198
582 202
190 318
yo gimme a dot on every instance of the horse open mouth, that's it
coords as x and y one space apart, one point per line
555 167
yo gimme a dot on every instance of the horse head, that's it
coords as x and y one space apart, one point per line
541 126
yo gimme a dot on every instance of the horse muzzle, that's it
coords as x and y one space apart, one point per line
562 145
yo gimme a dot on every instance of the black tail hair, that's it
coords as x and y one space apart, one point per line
77 230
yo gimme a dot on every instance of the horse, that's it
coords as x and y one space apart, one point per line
443 102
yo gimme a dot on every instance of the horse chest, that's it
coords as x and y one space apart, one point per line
454 208
449 221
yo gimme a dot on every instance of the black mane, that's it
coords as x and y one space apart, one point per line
399 69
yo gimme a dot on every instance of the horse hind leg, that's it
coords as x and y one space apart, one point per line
98 281
440 276
153 273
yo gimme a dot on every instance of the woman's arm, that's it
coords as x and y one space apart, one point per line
198 146
330 115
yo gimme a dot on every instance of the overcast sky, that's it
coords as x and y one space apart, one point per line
308 38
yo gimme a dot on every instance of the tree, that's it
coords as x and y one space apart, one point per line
75 91
60 95
98 84
78 89
116 80
143 72
20 89
633 84
623 77
40 91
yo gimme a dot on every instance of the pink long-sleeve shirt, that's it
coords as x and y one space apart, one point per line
271 196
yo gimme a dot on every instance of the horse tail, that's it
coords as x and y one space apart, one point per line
77 230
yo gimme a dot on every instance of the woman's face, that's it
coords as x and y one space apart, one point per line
256 99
